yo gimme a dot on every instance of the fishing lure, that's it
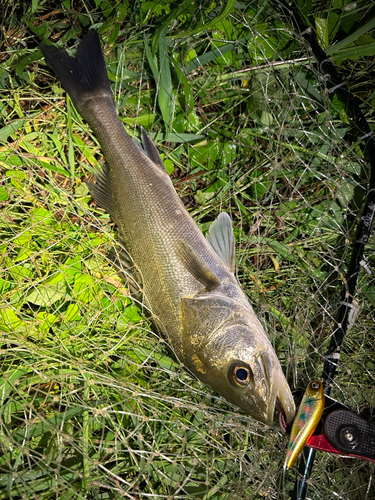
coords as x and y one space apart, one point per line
306 421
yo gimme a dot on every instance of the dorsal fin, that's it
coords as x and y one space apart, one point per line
101 191
221 238
196 265
151 150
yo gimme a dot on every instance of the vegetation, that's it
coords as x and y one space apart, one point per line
92 404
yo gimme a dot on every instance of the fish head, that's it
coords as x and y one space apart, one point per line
231 353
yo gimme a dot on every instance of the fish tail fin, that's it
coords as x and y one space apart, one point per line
84 75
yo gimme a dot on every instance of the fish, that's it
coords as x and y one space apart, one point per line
307 418
187 280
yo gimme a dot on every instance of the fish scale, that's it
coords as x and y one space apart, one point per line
188 281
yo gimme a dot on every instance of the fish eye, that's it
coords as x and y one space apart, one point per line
240 374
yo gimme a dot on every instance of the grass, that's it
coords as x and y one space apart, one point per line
92 403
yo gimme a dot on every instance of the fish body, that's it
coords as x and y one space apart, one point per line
306 421
187 280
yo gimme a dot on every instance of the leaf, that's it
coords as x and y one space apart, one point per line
223 14
46 320
355 52
163 82
165 93
10 129
40 214
21 65
9 321
23 238
131 313
181 138
152 61
7 383
188 94
85 288
302 78
351 38
51 424
145 120
169 165
322 31
3 194
16 176
9 409
210 56
201 197
156 7
85 150
72 312
49 292
281 249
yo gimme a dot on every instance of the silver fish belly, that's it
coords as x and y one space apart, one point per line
187 280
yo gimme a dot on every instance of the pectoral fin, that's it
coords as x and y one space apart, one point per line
127 270
221 238
196 265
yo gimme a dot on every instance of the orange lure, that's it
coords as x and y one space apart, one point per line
306 421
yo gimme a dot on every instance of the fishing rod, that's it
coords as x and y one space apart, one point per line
336 84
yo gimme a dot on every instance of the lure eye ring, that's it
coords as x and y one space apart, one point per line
240 374
315 385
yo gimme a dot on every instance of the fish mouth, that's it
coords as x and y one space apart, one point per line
281 399
285 404
286 411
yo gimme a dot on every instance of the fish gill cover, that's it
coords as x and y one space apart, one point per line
92 404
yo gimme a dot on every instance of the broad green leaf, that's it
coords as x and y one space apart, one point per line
169 165
16 177
10 129
40 214
131 313
188 94
156 7
49 292
351 38
144 120
165 93
182 138
8 410
23 238
202 197
3 194
7 383
50 424
9 321
321 25
281 249
229 6
85 288
355 52
72 312
45 320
